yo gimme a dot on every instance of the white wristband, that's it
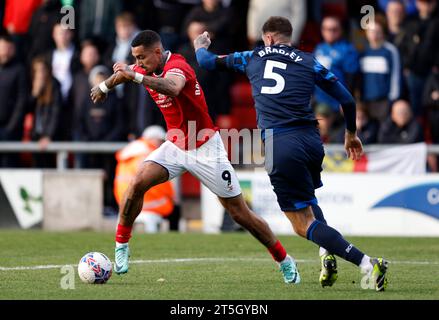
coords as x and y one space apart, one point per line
138 78
103 87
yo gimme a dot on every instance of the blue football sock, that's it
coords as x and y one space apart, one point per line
333 241
318 213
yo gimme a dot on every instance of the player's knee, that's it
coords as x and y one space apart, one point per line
236 211
301 220
138 186
149 175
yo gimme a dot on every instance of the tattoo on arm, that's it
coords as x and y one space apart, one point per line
165 86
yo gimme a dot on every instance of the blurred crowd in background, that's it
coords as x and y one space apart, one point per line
47 71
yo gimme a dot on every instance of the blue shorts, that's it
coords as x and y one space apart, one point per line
295 165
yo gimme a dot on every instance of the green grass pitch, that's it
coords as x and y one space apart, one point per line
227 266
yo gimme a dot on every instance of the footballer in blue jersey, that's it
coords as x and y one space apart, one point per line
283 79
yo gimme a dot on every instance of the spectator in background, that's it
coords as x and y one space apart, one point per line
145 13
158 202
119 49
338 56
17 19
13 93
367 128
41 26
260 10
64 60
89 58
97 19
409 6
139 109
329 126
101 122
215 19
401 126
170 17
45 104
395 15
381 73
420 51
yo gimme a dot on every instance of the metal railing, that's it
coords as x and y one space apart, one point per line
62 149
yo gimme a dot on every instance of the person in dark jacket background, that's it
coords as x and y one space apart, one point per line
420 51
41 26
102 122
211 16
401 126
13 93
45 104
64 61
367 128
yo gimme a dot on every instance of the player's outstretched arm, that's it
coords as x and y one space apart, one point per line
353 145
332 86
170 85
235 61
99 92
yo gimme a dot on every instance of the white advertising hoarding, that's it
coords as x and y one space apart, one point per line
355 204
24 190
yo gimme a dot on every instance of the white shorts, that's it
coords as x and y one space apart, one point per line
209 163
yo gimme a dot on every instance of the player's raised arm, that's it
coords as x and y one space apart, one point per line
235 61
99 92
329 83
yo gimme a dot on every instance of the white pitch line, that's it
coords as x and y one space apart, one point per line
180 260
49 266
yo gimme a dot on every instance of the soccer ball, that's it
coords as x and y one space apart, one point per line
95 267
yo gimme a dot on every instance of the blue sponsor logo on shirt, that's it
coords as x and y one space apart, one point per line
422 198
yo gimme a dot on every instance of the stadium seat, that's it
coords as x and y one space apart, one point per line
245 117
242 110
190 186
241 92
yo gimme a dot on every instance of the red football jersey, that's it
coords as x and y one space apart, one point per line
186 112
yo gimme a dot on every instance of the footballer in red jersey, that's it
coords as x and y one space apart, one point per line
189 105
193 145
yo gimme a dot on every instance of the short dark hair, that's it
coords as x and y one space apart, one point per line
278 25
6 37
146 38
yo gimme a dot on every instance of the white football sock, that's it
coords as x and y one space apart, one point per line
287 257
365 265
323 251
118 244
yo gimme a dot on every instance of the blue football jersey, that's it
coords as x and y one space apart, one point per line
282 80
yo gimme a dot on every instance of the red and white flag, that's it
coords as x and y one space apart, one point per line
400 159
406 159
